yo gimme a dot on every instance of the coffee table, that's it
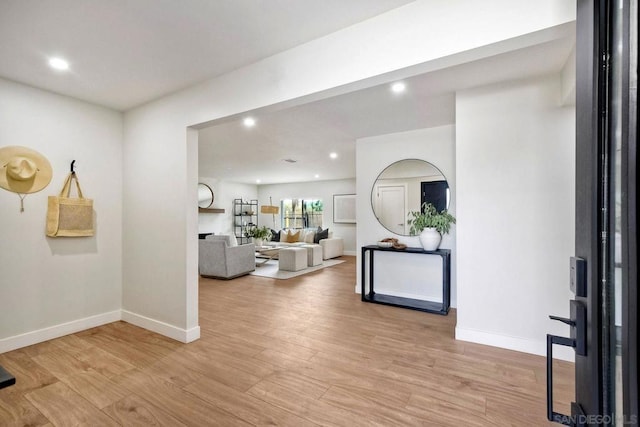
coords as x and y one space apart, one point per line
268 253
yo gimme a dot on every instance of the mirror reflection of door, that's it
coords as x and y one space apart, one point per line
391 201
435 192
402 187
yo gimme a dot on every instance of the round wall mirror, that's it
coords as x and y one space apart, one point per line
404 186
205 196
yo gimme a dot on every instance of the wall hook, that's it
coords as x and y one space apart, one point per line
72 166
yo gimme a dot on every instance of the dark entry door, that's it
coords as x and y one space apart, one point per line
604 271
436 193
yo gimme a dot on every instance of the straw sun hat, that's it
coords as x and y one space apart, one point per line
23 170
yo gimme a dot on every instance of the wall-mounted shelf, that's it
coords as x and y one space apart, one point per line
211 210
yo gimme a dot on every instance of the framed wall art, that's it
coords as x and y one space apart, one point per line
344 208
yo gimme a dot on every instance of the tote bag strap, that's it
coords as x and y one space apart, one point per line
67 186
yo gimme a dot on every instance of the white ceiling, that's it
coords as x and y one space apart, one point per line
308 133
124 53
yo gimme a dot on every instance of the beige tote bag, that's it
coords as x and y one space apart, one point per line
69 216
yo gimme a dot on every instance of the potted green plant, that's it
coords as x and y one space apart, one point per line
259 234
430 225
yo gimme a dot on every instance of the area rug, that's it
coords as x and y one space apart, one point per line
270 269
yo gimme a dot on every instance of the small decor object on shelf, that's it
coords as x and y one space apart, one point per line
391 242
431 225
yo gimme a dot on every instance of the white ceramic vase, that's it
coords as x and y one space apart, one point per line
258 242
430 239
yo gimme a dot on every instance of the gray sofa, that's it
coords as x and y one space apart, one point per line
218 259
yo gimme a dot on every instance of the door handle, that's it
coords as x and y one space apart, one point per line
577 341
563 320
553 416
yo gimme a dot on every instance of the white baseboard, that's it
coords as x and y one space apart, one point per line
350 253
178 334
52 332
57 331
538 347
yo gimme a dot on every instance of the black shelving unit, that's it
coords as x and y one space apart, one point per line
413 304
245 214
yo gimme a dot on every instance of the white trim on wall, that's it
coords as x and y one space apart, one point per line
538 347
162 328
57 331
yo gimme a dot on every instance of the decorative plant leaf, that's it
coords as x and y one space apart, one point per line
430 218
263 233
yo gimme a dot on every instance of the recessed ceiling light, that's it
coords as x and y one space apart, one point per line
317 176
249 122
333 155
258 181
398 87
58 64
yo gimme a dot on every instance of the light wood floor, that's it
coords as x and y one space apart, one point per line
300 352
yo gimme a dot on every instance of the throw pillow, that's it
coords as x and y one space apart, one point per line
283 235
292 238
232 240
308 238
324 234
275 235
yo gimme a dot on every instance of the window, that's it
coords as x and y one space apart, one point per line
301 213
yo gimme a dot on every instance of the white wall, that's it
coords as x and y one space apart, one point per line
515 149
323 190
160 153
225 192
396 274
54 286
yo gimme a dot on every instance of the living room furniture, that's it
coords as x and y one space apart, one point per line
218 259
332 247
292 259
413 304
267 253
314 255
245 214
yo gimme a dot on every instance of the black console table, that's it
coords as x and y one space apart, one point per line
413 304
6 379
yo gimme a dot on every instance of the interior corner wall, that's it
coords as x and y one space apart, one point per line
435 145
225 192
160 222
55 286
323 190
515 149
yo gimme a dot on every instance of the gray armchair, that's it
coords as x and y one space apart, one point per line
219 260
